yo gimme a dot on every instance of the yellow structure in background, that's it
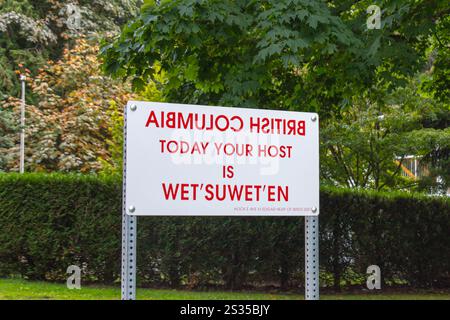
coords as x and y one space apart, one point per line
405 170
411 167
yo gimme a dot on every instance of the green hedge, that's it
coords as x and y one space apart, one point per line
48 222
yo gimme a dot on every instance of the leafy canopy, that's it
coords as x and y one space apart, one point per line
71 125
283 54
31 32
369 145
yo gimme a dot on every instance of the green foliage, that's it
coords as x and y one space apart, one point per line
19 289
401 233
8 127
66 96
438 77
153 90
31 32
48 222
438 83
294 55
235 53
112 166
436 144
70 126
366 146
52 221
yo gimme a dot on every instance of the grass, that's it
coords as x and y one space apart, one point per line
18 289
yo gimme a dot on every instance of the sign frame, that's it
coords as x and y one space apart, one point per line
272 158
129 230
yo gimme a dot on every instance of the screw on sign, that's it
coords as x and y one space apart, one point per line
189 160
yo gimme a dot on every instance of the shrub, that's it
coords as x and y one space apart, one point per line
51 221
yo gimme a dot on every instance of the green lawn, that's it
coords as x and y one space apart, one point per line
22 289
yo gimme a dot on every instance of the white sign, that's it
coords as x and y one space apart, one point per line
190 160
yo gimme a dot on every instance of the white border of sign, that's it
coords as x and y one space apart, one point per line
174 171
129 228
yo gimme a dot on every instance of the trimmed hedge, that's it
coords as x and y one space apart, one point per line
48 222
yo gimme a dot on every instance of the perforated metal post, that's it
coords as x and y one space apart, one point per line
129 228
129 257
312 258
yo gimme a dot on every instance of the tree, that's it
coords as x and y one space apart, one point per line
65 118
8 127
113 164
367 147
31 32
68 128
285 54
309 56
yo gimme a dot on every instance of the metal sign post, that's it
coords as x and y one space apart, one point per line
129 229
312 258
129 225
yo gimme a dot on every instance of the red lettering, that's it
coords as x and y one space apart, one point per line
170 191
240 122
301 128
235 192
284 194
170 122
152 119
